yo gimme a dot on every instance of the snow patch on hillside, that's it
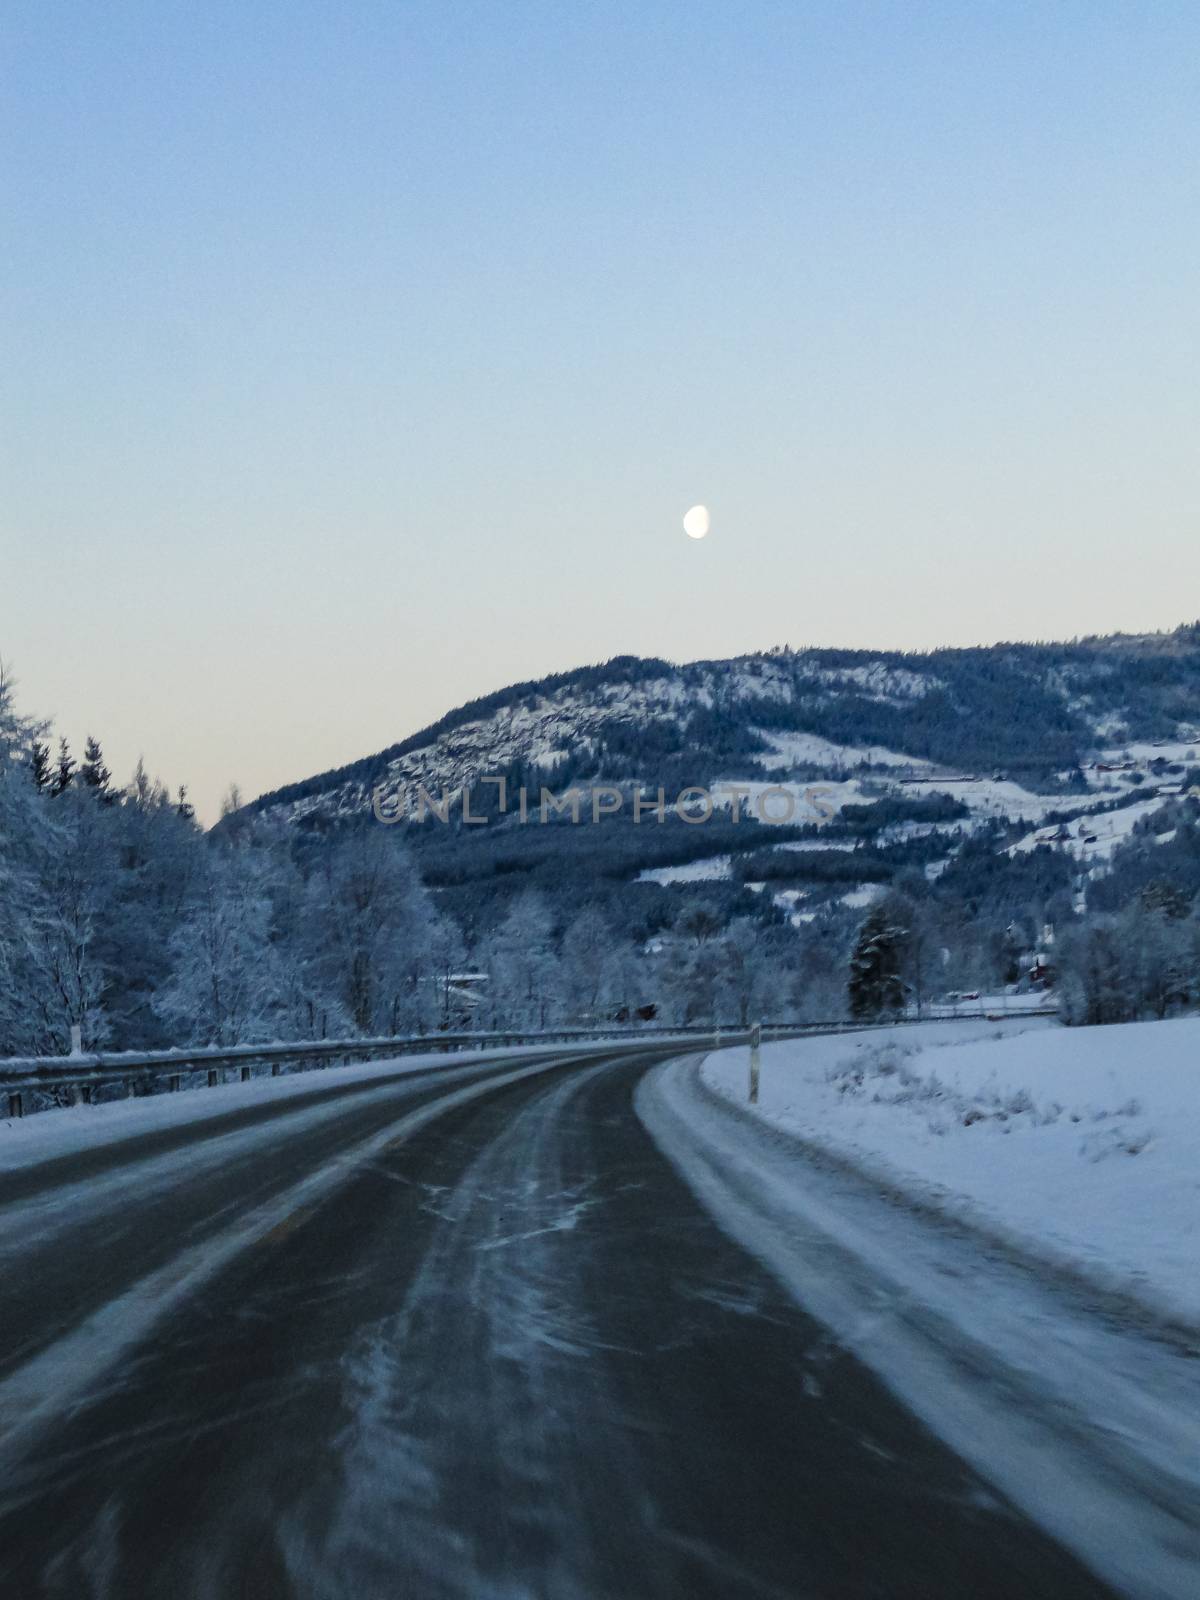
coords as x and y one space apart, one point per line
709 869
865 894
801 845
777 803
810 749
1090 838
1181 752
878 681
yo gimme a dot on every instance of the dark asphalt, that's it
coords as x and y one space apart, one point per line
511 1357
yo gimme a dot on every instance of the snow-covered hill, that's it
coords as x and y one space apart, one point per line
1014 732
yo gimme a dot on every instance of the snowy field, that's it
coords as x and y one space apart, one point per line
1080 1145
796 749
709 869
1093 838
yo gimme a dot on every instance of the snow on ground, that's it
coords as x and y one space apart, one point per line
1184 751
1086 1420
788 901
810 749
1091 838
818 844
709 869
1082 1145
25 1141
998 797
865 895
807 802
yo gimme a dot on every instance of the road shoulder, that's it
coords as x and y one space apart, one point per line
1082 1419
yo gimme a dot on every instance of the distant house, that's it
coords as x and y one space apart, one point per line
1058 835
1039 972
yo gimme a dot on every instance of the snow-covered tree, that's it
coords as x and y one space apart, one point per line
75 872
589 968
525 978
158 855
367 919
753 976
24 842
875 984
444 955
225 985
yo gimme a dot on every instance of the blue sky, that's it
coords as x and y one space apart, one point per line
360 359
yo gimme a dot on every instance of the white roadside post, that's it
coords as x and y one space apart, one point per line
755 1044
75 1094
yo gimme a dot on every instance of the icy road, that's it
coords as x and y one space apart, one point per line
460 1333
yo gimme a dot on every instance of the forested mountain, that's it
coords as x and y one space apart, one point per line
862 829
853 743
1034 710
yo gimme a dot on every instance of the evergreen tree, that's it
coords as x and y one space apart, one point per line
94 774
65 771
1166 899
39 764
875 985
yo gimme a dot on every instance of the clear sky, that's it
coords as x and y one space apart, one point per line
360 358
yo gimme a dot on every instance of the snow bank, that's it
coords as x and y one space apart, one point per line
1080 1145
24 1141
1079 1418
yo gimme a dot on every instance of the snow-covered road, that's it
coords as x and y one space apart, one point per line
466 1334
1083 1414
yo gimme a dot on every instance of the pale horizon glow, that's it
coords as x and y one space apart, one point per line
360 362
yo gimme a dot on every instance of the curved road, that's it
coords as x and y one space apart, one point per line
463 1333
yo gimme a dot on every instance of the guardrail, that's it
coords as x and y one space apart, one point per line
77 1077
26 1079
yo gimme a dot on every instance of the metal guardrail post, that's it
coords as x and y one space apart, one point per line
755 1060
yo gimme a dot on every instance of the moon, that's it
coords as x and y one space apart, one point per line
697 522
